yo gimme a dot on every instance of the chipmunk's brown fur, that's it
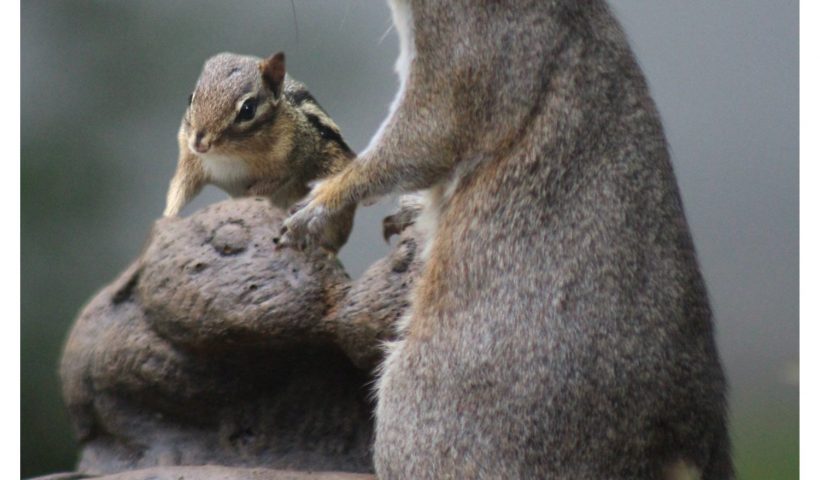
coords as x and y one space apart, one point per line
275 147
560 328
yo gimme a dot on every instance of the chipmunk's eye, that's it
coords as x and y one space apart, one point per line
247 111
190 99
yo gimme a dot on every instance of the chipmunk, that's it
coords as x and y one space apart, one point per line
251 129
560 327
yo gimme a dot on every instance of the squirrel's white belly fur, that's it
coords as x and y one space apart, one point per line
403 20
427 220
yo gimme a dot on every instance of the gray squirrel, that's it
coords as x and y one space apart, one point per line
560 327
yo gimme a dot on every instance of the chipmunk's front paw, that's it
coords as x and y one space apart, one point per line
304 227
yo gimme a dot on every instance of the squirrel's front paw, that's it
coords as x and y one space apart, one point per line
304 227
410 206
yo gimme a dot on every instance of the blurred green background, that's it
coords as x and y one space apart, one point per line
104 85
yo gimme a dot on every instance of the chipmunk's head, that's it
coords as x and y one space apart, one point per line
235 98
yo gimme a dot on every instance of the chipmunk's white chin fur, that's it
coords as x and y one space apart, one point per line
227 172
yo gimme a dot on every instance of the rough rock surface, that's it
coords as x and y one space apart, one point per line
215 348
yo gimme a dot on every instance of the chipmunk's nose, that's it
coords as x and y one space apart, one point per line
199 145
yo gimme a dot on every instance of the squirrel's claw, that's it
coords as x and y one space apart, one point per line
303 228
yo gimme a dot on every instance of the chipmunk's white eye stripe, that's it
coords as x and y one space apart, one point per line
243 99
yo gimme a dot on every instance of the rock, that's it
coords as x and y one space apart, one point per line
213 472
216 348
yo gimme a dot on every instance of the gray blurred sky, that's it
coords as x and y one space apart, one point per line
104 86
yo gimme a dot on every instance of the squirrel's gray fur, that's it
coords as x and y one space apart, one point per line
560 327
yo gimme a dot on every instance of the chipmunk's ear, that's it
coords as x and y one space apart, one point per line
273 72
